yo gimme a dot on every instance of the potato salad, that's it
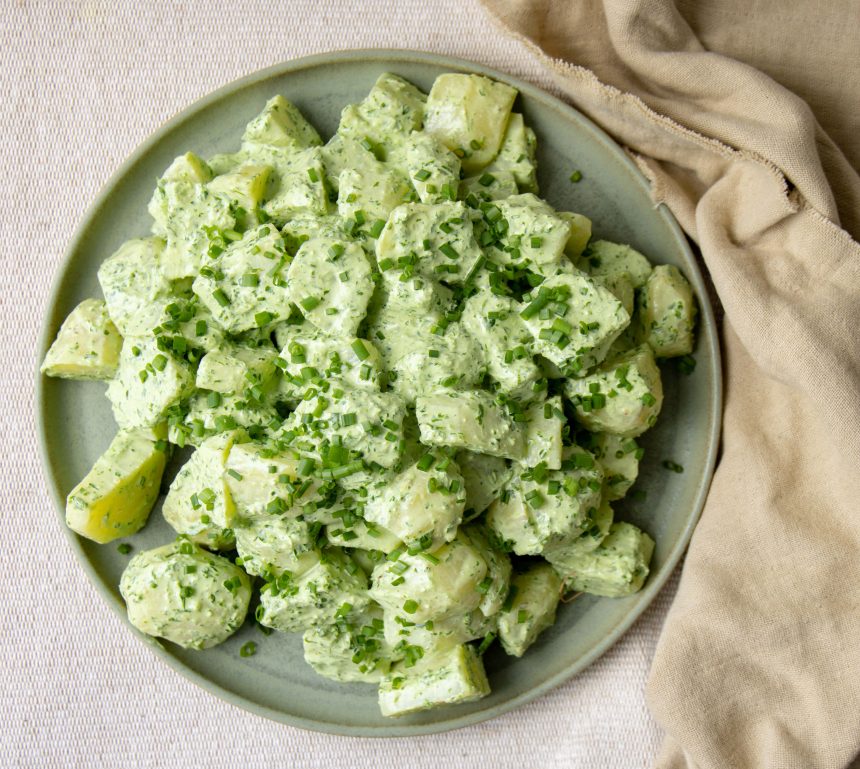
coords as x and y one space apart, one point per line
404 390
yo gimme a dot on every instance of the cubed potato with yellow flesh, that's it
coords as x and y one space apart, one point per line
115 498
469 115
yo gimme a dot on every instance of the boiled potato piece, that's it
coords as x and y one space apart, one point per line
620 459
469 115
618 567
423 504
269 546
596 530
448 677
184 594
134 285
484 477
87 345
432 588
280 124
544 508
199 504
535 595
236 368
115 498
353 651
334 589
468 420
543 431
667 312
331 282
605 258
517 154
573 321
622 397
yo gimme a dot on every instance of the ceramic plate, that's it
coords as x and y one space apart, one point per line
76 423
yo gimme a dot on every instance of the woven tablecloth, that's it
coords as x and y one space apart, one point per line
84 82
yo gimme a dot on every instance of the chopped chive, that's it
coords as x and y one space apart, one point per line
213 400
410 607
423 175
234 474
159 363
673 466
486 180
543 298
536 242
486 643
448 250
219 296
124 548
426 462
347 420
336 251
576 176
306 466
313 175
534 498
509 601
310 302
686 364
249 279
360 350
376 228
263 318
248 649
224 423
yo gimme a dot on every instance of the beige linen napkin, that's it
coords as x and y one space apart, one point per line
758 666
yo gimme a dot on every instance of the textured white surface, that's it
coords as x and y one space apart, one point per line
84 82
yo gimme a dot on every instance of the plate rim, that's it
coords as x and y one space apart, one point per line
710 341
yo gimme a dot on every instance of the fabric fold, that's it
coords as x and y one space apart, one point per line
758 662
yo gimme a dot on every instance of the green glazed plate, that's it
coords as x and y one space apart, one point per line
76 425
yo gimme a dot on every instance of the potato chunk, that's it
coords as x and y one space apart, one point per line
445 584
271 545
199 504
135 288
532 608
184 594
469 420
573 321
469 115
454 675
667 312
543 508
147 383
331 282
423 504
617 568
335 588
87 345
622 397
280 124
115 498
